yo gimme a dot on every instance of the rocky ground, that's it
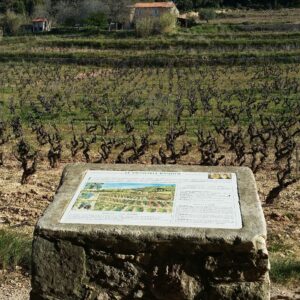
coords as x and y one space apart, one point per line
14 285
21 206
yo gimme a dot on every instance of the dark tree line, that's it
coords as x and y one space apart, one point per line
195 4
19 6
27 6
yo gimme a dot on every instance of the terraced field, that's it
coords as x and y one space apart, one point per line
237 37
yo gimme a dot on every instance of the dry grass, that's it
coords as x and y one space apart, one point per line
258 16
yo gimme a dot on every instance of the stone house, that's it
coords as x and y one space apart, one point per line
41 25
152 9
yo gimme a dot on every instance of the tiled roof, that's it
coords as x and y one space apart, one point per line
154 5
39 20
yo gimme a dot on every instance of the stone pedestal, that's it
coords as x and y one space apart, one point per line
107 262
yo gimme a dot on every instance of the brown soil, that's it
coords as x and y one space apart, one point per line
14 285
21 206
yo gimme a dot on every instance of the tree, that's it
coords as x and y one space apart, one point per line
77 12
207 14
92 8
166 23
185 5
19 6
66 13
97 19
118 11
43 10
149 25
145 27
11 22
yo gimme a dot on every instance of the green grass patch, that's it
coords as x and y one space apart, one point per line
209 28
167 43
284 270
15 250
152 58
277 246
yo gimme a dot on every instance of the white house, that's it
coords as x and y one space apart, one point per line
152 9
41 25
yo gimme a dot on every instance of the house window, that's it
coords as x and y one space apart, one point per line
155 12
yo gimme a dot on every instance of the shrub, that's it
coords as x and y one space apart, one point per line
11 22
97 19
70 21
166 23
207 14
145 27
149 25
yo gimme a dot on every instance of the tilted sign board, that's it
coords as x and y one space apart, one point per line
174 199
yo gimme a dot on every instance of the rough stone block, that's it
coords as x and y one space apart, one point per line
73 261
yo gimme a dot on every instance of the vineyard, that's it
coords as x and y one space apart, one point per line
233 115
214 95
147 199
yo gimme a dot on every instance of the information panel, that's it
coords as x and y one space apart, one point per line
174 199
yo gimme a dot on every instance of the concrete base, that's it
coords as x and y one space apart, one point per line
153 263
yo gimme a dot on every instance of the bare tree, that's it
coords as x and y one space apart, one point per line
43 9
89 7
118 11
70 11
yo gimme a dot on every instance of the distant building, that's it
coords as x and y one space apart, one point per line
152 9
41 25
189 19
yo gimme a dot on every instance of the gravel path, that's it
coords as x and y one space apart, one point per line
14 286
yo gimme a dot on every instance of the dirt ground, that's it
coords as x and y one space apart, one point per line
21 206
14 286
